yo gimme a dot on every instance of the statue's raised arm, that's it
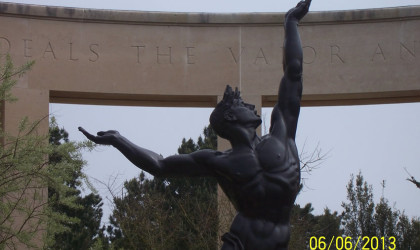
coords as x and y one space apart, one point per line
290 90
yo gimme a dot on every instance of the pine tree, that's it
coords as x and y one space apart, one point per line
361 217
83 227
358 213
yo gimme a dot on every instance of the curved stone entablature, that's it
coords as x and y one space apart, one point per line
186 59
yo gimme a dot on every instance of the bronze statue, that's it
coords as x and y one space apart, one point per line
260 176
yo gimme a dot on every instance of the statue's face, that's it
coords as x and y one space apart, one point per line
226 119
245 114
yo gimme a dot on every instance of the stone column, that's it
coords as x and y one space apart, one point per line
33 104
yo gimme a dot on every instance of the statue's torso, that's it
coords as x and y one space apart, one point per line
262 184
262 180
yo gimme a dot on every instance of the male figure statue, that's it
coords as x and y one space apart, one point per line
261 176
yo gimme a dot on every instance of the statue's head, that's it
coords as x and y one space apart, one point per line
233 113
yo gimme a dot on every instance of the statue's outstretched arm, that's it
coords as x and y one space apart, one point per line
189 164
290 90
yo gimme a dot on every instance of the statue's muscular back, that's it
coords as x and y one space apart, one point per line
262 182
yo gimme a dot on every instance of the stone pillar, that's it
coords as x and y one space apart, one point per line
33 104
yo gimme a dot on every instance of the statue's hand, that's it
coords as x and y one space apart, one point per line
103 137
299 11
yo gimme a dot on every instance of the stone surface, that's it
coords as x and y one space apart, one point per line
186 59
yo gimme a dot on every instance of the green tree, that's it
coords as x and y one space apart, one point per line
358 212
302 221
27 218
386 219
361 217
168 213
84 227
328 226
304 225
408 233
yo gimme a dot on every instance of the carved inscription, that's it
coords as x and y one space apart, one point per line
408 52
48 50
51 50
140 51
94 49
236 57
190 55
378 54
259 58
310 54
164 57
4 46
27 47
335 54
71 53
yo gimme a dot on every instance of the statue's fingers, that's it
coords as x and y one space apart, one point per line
87 134
84 132
307 4
300 4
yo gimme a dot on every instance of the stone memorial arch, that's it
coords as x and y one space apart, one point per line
86 56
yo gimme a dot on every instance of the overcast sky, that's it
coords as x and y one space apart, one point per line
379 140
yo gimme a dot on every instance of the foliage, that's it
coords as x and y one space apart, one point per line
358 212
27 214
168 213
328 226
361 217
305 225
21 161
302 220
83 225
9 75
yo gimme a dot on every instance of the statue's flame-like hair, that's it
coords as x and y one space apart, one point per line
217 121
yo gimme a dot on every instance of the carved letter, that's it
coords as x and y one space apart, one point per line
404 48
378 51
190 56
92 48
235 59
49 49
138 51
71 53
169 55
308 58
4 46
261 55
26 47
334 52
